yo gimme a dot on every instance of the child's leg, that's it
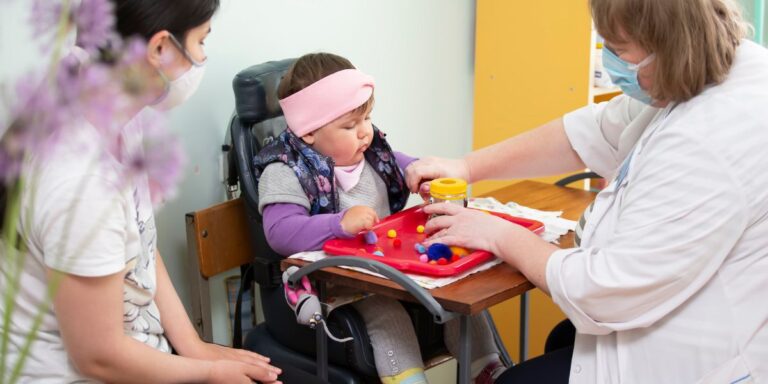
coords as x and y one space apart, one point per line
395 347
485 357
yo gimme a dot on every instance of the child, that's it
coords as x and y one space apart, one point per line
332 174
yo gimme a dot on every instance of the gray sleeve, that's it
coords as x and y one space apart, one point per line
279 184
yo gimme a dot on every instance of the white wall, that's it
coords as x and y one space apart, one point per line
420 52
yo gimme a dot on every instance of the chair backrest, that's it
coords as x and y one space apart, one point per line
217 241
257 120
217 237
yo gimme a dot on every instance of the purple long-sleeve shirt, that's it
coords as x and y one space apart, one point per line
290 229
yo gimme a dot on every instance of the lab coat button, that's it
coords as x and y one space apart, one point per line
577 369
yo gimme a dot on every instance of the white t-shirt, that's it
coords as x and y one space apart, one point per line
81 216
670 281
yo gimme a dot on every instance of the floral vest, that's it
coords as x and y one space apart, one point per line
315 171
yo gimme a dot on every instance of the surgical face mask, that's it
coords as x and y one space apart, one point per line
181 89
624 75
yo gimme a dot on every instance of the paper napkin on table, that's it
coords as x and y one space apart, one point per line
554 225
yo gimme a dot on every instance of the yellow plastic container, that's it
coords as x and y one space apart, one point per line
448 189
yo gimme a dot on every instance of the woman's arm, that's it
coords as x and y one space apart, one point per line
545 150
181 333
473 229
90 315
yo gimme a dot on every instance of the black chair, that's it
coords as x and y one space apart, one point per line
578 177
257 121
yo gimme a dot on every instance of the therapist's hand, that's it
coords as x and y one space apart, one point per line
429 168
473 229
467 228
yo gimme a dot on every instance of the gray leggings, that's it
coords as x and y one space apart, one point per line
395 346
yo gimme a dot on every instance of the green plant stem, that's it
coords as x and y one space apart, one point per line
15 256
12 270
63 27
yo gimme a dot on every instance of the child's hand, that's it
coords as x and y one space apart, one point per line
358 218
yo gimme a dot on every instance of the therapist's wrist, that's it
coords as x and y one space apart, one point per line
529 253
467 169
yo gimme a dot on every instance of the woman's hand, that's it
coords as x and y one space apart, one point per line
243 365
358 218
473 229
227 371
213 352
429 168
467 228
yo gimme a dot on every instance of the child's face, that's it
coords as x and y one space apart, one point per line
344 139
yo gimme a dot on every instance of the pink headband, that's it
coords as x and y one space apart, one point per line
326 100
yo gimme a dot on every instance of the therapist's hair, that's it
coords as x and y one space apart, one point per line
147 17
694 41
308 69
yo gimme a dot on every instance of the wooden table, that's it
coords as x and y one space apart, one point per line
488 288
481 290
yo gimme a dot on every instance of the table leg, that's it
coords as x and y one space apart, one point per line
465 349
523 327
321 346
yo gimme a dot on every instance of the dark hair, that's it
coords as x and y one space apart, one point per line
312 67
146 17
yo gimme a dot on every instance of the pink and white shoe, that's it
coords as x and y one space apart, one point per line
490 373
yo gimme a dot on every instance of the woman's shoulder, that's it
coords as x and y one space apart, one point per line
77 154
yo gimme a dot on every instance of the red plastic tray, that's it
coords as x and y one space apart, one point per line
405 258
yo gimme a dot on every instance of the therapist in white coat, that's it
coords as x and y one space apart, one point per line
669 282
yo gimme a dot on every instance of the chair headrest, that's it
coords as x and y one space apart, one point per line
256 91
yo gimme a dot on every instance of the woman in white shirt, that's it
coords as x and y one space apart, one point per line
91 236
669 281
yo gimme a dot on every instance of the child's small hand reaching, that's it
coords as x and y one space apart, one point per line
358 218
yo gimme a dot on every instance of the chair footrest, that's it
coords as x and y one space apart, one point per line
296 365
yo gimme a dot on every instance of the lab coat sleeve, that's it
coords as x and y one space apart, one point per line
679 215
595 130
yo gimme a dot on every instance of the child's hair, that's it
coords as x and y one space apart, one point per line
312 67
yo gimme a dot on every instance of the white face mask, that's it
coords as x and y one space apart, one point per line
180 90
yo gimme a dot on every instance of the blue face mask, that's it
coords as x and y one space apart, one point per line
624 75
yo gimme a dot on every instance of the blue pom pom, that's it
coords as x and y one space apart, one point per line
420 248
371 238
439 251
379 253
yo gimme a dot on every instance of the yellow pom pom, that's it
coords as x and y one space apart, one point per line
391 233
459 251
420 229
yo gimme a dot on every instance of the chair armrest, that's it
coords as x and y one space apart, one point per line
439 314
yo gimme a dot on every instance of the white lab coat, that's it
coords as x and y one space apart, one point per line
671 280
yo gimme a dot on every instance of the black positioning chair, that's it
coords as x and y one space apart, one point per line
257 121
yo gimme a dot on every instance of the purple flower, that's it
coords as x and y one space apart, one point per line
45 18
95 20
132 71
160 156
36 121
